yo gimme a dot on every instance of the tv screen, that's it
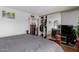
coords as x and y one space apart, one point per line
66 29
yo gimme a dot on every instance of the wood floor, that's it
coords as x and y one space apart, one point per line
68 49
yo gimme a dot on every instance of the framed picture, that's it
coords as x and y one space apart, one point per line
6 14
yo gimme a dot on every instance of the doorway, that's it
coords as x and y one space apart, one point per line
32 29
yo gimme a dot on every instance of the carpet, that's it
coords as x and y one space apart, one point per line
28 43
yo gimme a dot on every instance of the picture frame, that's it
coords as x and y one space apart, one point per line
6 14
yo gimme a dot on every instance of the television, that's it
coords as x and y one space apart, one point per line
66 29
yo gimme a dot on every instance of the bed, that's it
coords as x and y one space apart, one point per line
28 43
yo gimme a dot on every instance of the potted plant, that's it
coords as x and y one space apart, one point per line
77 41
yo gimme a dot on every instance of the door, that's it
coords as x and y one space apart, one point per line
32 29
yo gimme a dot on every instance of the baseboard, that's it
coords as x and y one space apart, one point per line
12 36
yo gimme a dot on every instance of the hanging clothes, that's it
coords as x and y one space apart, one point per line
41 27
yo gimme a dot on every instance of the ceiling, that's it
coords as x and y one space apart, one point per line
42 10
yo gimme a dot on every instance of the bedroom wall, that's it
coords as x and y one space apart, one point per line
70 17
51 18
17 26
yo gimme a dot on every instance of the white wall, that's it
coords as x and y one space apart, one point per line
52 18
70 17
10 27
